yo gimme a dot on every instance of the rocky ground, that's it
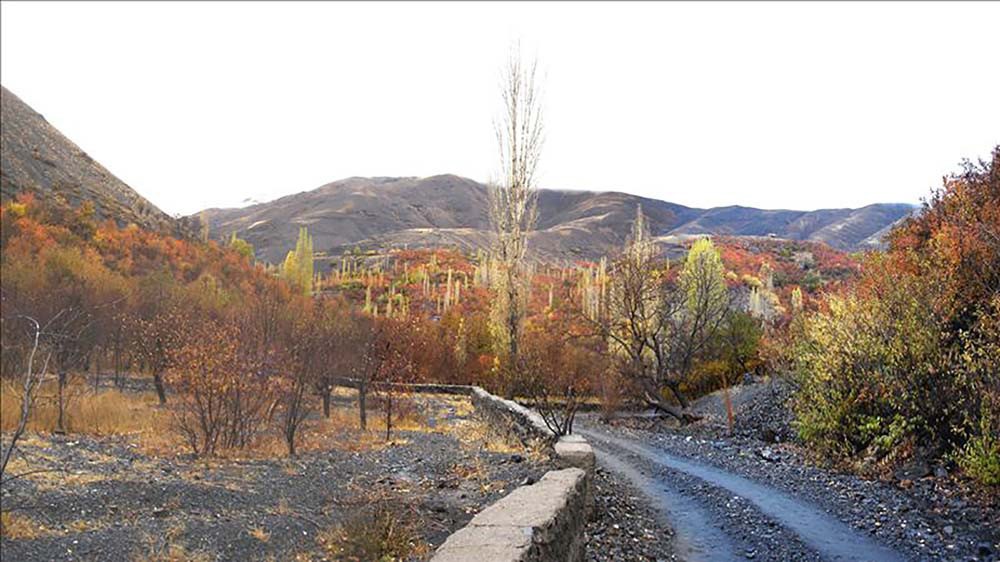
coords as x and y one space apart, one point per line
925 513
105 500
624 526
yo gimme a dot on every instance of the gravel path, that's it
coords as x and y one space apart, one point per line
916 524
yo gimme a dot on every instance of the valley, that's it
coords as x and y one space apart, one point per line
428 368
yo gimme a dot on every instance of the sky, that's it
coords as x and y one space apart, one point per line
773 105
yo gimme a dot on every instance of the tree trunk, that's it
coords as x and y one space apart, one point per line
676 391
161 393
362 410
388 416
290 439
117 359
60 427
680 414
326 403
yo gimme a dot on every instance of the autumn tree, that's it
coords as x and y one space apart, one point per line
657 325
241 247
739 337
226 370
297 268
341 332
403 341
305 361
631 310
153 325
867 370
561 363
203 373
77 283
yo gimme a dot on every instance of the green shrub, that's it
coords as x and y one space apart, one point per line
868 373
980 457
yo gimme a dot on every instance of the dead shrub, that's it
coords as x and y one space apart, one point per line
168 547
385 528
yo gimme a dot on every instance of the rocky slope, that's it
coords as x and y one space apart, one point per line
37 158
447 210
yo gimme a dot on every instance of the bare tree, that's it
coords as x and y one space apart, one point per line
71 346
29 385
305 363
512 195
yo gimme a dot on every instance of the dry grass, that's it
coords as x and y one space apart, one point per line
169 548
84 525
479 435
260 534
105 412
383 528
139 417
15 526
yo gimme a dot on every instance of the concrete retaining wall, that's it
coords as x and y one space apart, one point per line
518 421
542 522
537 523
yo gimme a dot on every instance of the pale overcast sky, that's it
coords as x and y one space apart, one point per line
770 105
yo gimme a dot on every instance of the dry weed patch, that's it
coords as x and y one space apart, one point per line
384 527
16 526
260 533
168 548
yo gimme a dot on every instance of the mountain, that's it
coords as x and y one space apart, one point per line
36 157
447 210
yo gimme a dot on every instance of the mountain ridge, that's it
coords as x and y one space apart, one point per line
391 212
450 210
